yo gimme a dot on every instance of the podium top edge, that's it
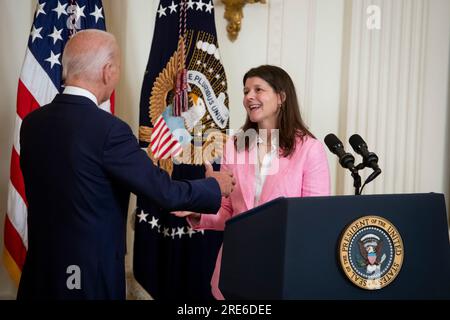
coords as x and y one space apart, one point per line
283 200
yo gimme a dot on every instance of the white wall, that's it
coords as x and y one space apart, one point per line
316 42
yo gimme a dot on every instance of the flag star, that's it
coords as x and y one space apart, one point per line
190 232
211 70
53 59
212 125
200 5
60 9
161 11
56 35
223 83
208 117
173 7
40 9
190 4
202 231
154 222
142 216
209 7
35 33
204 65
166 232
173 233
199 62
180 231
97 13
217 76
79 12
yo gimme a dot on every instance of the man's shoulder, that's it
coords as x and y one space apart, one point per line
35 114
75 109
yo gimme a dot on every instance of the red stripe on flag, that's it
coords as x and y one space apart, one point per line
25 101
177 150
16 176
112 101
163 143
14 244
156 142
159 126
169 149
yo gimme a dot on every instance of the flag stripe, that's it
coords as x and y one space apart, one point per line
112 100
17 125
170 150
164 144
162 134
25 101
16 175
163 140
157 131
37 80
14 245
17 213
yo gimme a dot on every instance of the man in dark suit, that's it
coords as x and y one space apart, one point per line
79 165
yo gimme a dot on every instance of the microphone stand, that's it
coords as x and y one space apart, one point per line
357 178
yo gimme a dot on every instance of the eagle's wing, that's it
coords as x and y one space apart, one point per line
378 251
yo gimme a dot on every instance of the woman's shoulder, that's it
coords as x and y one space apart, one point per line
307 140
308 143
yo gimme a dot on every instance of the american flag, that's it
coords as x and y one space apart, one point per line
55 21
163 143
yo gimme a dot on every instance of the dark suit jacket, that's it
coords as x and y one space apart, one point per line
79 165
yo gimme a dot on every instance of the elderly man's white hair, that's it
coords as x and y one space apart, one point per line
86 53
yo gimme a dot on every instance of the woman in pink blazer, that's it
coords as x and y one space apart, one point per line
280 158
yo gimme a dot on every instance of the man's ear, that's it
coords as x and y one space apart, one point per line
106 73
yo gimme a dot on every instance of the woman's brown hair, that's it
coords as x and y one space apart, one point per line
289 122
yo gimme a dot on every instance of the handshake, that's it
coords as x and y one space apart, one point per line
224 179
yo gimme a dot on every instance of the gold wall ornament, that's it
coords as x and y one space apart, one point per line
233 14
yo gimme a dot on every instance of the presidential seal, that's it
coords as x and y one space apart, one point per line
371 252
188 105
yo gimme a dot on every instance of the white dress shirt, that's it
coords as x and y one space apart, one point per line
77 91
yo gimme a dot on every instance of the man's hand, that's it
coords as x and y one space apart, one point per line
224 178
193 217
183 214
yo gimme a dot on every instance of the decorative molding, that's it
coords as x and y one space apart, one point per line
274 32
309 63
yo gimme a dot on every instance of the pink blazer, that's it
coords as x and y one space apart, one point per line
304 174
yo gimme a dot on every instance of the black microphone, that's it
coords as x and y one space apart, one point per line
370 159
335 145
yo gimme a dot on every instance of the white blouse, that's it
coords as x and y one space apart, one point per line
261 169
